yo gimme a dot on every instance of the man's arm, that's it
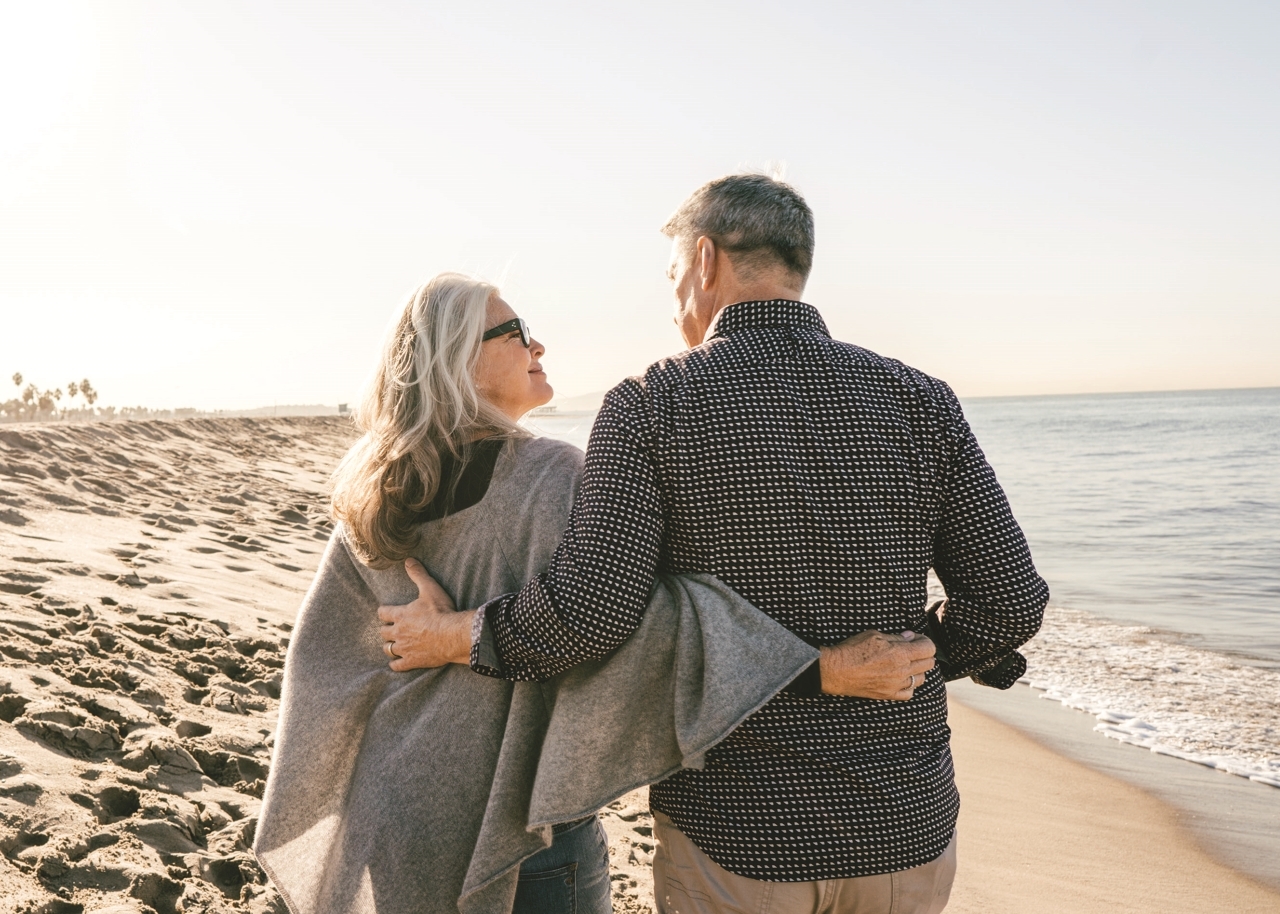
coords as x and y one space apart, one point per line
594 592
995 598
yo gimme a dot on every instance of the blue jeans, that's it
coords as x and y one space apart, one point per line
569 877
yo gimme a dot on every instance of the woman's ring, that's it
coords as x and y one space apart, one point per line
913 682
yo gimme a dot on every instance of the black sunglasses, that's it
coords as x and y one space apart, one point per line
511 326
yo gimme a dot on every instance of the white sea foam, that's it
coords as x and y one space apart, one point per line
1174 699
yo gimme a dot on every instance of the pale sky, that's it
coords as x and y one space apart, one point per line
221 205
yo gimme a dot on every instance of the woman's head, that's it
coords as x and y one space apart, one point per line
508 374
438 387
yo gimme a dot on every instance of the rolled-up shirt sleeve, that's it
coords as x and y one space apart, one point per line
593 594
995 597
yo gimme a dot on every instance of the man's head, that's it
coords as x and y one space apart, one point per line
737 238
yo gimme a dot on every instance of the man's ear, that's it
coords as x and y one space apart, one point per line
707 264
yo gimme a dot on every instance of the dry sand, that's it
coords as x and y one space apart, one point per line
149 574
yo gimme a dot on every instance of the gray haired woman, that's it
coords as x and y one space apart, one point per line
457 373
408 791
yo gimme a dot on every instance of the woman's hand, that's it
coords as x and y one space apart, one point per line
428 632
877 665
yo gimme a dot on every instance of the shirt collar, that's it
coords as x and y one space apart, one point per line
752 315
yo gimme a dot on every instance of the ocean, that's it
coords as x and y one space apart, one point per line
1159 509
1155 518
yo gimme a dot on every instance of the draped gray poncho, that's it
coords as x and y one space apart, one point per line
422 792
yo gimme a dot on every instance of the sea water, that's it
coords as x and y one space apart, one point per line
1155 518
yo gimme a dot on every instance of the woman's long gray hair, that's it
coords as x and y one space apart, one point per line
421 404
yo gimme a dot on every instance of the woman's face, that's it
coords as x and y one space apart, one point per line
508 375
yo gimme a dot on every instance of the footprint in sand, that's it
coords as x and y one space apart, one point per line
124 813
22 583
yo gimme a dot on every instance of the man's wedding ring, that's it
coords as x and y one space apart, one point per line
394 656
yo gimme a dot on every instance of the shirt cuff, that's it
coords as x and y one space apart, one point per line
1003 674
484 647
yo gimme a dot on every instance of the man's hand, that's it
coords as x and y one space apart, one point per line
876 665
426 633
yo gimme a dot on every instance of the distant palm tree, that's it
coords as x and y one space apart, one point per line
36 404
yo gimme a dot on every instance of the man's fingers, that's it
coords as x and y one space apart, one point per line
429 590
386 614
417 573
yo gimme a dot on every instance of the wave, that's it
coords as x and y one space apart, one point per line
1147 689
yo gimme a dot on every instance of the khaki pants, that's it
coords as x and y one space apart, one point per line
687 881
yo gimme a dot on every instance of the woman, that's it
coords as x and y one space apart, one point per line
427 791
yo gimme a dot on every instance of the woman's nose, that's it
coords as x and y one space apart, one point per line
536 348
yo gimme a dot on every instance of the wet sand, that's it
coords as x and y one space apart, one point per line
1040 832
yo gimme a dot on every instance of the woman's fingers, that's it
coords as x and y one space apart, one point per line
918 668
876 665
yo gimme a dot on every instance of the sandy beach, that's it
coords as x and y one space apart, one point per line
1039 832
149 573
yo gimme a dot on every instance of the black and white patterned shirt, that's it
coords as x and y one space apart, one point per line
820 481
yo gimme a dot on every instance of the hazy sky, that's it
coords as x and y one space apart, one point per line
221 204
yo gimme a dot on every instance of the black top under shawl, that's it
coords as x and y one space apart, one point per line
463 485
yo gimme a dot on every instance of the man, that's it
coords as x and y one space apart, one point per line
822 482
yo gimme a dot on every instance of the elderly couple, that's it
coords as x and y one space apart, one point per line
725 598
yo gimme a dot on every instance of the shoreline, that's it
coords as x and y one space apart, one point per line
1151 689
1122 815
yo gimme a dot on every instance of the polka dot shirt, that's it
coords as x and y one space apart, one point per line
822 482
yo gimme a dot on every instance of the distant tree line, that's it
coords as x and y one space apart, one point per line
35 405
75 403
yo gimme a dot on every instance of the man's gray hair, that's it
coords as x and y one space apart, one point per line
759 221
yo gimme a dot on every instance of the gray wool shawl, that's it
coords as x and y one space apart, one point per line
422 792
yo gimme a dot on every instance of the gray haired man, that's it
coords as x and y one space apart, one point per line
822 482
